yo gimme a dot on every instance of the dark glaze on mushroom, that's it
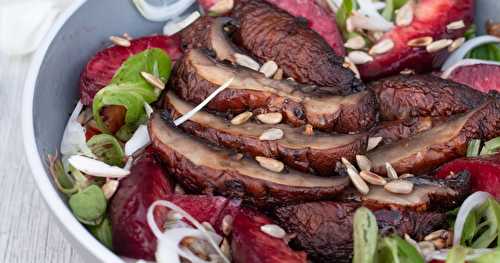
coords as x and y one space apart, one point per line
197 75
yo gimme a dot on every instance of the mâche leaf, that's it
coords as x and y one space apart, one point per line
365 235
388 11
107 149
457 254
394 249
473 148
343 13
491 147
103 233
89 205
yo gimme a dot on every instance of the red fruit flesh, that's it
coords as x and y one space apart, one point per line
319 19
102 67
250 245
430 19
484 170
483 77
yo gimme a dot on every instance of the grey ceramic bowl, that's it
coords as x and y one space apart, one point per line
51 92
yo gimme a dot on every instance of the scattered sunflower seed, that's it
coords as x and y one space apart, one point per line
406 175
271 134
269 68
456 44
436 234
270 164
222 6
241 118
404 16
381 47
357 42
270 118
399 187
438 45
179 190
246 61
127 36
363 163
120 41
359 57
391 173
420 42
227 224
455 25
350 65
373 142
349 25
309 130
273 230
372 178
358 182
407 72
153 80
278 75
348 164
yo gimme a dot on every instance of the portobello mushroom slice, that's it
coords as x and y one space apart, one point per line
324 229
198 75
201 168
425 151
406 96
318 153
270 33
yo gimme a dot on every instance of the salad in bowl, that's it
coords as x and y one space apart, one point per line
290 131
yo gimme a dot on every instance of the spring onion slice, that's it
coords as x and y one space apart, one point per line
491 147
470 44
473 201
164 12
96 168
192 112
473 148
139 140
74 141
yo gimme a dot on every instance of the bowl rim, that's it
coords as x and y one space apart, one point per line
49 193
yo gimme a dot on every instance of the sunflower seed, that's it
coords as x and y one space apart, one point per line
406 175
241 118
391 173
120 41
109 188
420 42
363 163
372 178
357 181
348 164
404 16
127 36
269 68
270 164
153 80
179 190
357 42
376 35
278 75
455 25
222 6
291 79
438 45
270 118
349 25
372 143
273 230
436 234
381 47
226 248
359 57
208 226
399 187
350 65
227 224
271 134
308 130
407 72
246 61
456 44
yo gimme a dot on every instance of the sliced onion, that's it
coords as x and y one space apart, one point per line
139 140
369 18
168 242
148 109
172 27
474 200
467 62
74 140
470 44
192 112
163 12
96 168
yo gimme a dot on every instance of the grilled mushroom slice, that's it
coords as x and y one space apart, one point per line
318 153
204 169
406 96
425 151
198 75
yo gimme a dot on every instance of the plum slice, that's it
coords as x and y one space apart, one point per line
430 19
482 77
102 67
484 170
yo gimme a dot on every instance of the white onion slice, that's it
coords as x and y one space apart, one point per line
467 62
168 247
96 168
474 200
172 27
192 112
24 24
139 140
148 109
74 140
369 18
470 44
163 12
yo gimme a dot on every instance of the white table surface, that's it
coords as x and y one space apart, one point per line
28 232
